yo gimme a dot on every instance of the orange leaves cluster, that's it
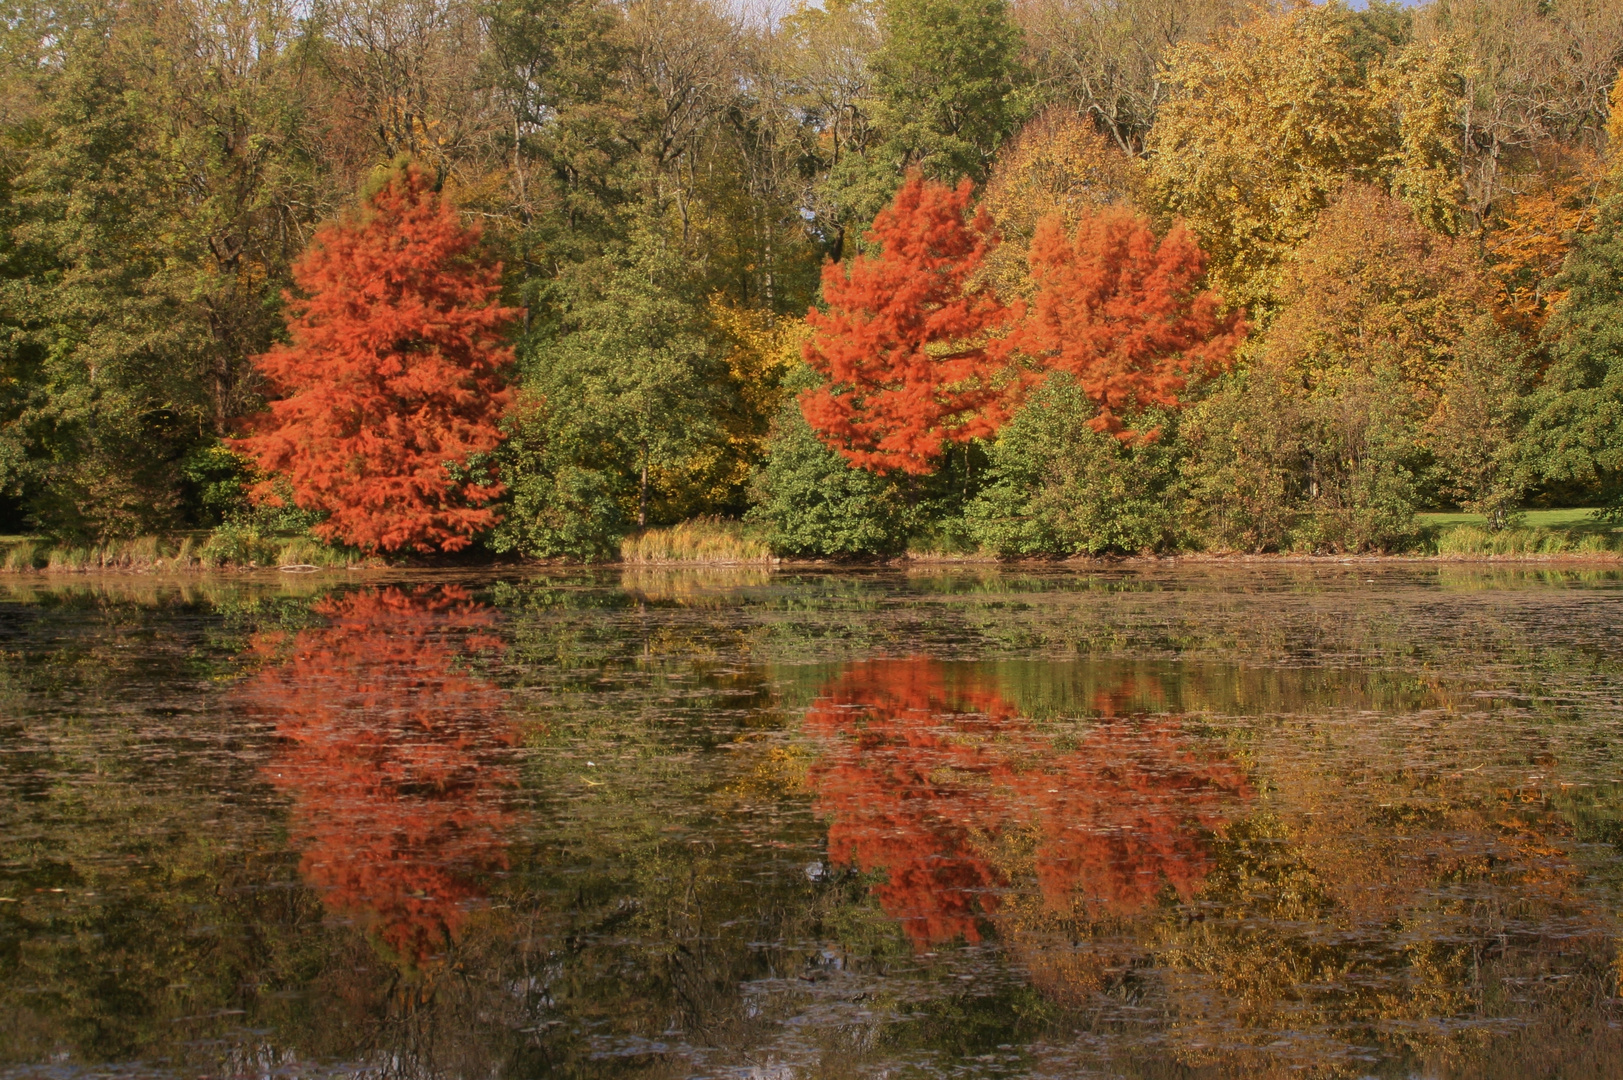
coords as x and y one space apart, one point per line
917 352
391 753
904 344
394 375
1533 234
1125 314
927 771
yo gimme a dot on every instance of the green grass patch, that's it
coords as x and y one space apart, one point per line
1579 519
1572 531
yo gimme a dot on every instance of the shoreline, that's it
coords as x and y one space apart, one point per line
1610 559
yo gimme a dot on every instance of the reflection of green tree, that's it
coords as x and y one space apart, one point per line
145 906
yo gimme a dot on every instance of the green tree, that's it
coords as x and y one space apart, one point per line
1575 433
814 503
159 176
1275 464
631 387
1475 434
1058 487
947 89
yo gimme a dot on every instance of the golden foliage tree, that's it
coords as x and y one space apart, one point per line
1266 125
1373 288
1528 240
1058 166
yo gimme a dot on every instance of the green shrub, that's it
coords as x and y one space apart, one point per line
1275 465
1057 487
237 544
573 513
814 504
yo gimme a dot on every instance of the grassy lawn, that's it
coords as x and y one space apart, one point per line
1578 522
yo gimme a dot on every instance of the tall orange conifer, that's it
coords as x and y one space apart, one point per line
393 377
903 346
1124 313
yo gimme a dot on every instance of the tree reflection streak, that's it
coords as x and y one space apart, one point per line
931 777
391 753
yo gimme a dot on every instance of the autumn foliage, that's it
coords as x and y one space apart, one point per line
393 377
927 770
393 756
1125 313
903 345
917 352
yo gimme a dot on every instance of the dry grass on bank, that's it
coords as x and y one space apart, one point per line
229 546
699 540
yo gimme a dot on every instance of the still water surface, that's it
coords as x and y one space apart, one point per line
1330 820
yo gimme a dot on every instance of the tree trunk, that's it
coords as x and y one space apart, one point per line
642 497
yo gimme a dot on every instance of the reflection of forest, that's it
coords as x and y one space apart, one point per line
391 756
1411 879
934 779
1350 899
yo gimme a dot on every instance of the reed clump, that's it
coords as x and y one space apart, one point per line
1475 541
699 540
228 547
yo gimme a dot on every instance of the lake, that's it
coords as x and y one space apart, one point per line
1308 818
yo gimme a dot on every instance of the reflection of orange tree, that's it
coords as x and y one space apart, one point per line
927 774
388 748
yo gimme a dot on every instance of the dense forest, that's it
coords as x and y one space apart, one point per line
1047 277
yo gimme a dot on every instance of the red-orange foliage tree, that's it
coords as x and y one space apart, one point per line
393 756
394 375
925 770
903 346
1123 312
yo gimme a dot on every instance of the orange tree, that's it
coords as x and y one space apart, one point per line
393 379
1124 312
903 347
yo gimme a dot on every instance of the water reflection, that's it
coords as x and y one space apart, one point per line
932 777
1194 823
391 754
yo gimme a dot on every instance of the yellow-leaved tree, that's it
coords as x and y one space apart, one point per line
1270 120
761 349
1058 166
1375 289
